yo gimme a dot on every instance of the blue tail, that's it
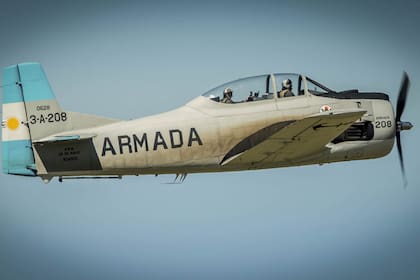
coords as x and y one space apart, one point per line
27 102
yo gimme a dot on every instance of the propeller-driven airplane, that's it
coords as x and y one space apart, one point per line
267 121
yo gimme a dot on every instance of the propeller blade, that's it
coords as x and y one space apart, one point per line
400 154
402 96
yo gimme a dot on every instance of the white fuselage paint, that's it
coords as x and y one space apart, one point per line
196 137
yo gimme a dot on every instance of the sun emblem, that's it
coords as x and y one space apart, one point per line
12 123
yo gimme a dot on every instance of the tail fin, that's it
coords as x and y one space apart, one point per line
30 112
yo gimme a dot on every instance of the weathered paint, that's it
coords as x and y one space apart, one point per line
202 136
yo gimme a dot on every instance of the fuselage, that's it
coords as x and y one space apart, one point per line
266 121
197 136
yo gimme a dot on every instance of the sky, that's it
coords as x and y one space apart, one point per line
129 59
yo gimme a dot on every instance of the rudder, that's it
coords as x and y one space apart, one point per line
17 153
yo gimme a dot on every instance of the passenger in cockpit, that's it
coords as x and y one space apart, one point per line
227 95
286 89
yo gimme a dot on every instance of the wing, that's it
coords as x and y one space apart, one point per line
292 140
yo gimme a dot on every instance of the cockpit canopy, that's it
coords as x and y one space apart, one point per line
265 87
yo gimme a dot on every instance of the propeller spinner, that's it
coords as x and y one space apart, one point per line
402 125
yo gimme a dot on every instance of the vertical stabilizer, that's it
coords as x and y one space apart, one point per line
30 112
44 114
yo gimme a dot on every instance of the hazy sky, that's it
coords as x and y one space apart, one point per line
126 60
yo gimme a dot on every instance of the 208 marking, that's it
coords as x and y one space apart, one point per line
383 124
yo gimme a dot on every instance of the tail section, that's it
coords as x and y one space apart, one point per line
30 112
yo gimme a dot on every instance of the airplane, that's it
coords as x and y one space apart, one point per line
265 121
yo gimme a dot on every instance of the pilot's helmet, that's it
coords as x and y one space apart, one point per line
287 84
228 92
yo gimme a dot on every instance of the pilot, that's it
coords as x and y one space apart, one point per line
286 88
227 95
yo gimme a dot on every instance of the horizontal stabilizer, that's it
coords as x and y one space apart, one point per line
58 138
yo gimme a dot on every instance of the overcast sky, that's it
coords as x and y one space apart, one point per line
125 60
